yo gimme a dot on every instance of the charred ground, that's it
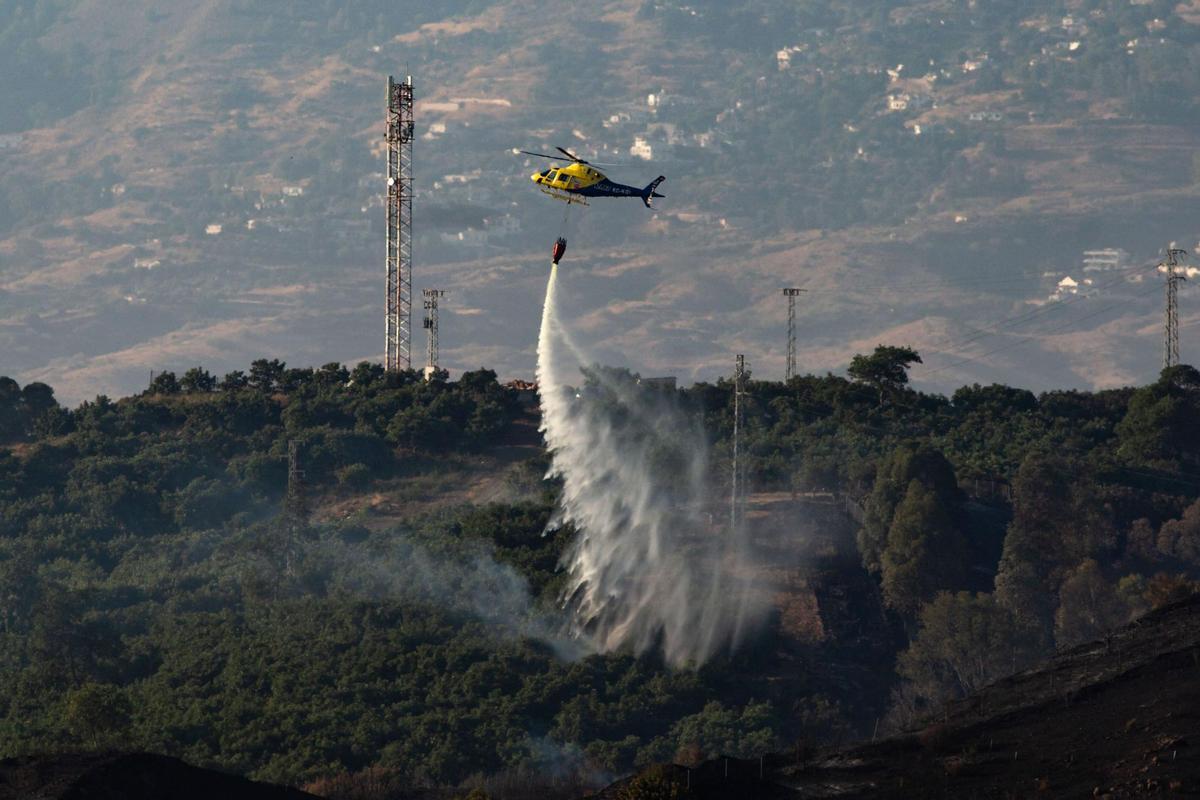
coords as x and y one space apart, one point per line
1118 717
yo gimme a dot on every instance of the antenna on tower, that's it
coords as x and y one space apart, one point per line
398 338
1171 334
791 294
431 328
737 489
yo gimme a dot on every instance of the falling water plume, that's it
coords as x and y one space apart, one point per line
645 569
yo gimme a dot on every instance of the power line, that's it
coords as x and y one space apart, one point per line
1031 337
1011 277
993 329
945 283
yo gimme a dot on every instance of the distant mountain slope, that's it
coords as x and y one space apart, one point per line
199 181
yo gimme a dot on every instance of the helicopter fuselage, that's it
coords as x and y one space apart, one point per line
584 180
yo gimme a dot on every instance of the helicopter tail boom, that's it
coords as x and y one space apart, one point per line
649 194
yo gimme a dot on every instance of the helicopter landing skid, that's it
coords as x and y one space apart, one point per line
566 197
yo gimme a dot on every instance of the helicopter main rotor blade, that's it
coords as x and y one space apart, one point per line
544 155
570 155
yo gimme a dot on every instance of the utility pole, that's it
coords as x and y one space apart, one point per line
736 488
431 327
791 294
1171 334
295 509
398 338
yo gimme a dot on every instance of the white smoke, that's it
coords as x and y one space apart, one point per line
645 571
463 579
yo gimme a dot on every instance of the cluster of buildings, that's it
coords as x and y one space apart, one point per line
1093 265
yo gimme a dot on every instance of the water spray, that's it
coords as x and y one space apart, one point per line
645 570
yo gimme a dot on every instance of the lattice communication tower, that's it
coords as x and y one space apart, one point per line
431 327
398 342
1171 333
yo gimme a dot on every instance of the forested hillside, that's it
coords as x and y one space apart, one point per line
161 588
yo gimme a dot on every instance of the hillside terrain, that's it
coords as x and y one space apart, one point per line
1113 718
126 777
210 187
346 578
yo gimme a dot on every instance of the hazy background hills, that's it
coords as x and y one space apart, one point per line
198 181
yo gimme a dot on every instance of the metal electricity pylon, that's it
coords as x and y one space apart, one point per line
737 490
791 294
398 339
295 510
1171 323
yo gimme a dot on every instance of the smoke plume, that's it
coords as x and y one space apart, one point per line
647 569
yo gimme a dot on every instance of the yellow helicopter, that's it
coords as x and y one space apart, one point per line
580 180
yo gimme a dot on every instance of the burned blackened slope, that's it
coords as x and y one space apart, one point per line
1120 716
1113 718
129 776
719 779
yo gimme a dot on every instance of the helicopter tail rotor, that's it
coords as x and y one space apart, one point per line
649 194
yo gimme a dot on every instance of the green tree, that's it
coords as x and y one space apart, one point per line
1165 588
234 380
11 419
1057 523
163 383
266 375
19 588
420 427
354 476
69 645
1180 538
659 782
1160 425
895 472
925 552
1132 590
480 380
721 730
197 379
332 375
366 374
38 397
1088 606
98 713
964 642
886 370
